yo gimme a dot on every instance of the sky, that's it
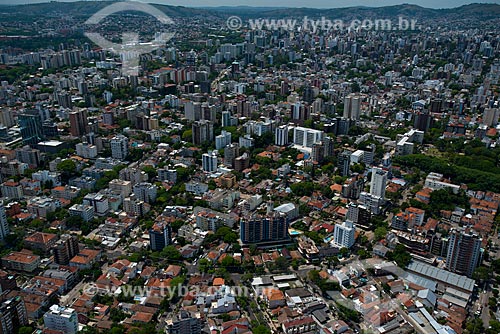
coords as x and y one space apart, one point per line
297 3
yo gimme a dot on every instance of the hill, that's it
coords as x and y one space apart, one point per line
87 8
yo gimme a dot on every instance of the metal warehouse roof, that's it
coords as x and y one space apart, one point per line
442 275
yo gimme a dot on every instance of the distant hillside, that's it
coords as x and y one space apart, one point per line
477 11
87 8
485 11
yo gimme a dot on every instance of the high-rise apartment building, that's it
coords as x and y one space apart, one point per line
119 147
490 116
464 252
343 234
306 137
30 123
145 192
184 323
209 161
4 225
65 249
13 314
78 122
231 152
352 107
62 319
273 227
203 131
28 155
160 236
222 140
344 163
281 136
378 182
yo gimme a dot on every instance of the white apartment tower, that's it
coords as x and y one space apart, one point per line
209 162
222 140
281 136
379 182
119 147
62 319
4 225
352 107
343 235
306 137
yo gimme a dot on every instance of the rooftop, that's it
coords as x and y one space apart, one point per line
456 280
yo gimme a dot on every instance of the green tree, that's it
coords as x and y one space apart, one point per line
302 188
171 253
481 274
363 254
282 263
400 255
117 315
204 265
226 234
25 330
187 135
228 261
67 166
74 221
380 233
344 251
85 330
494 327
347 313
475 326
176 225
151 171
261 329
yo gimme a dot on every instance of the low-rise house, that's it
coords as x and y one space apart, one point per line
40 241
85 258
24 260
300 325
274 297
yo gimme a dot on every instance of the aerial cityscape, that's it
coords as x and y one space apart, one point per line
234 169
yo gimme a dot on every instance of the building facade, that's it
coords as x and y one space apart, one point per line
272 227
62 319
464 252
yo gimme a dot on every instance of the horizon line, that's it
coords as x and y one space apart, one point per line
249 6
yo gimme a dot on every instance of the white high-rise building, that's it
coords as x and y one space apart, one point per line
281 136
4 225
222 140
86 212
192 110
145 192
246 141
379 182
209 161
86 150
99 202
306 137
62 319
352 107
119 147
343 235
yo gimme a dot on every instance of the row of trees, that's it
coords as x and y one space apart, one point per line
443 199
474 178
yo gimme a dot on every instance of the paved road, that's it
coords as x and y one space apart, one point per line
485 313
71 296
219 78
